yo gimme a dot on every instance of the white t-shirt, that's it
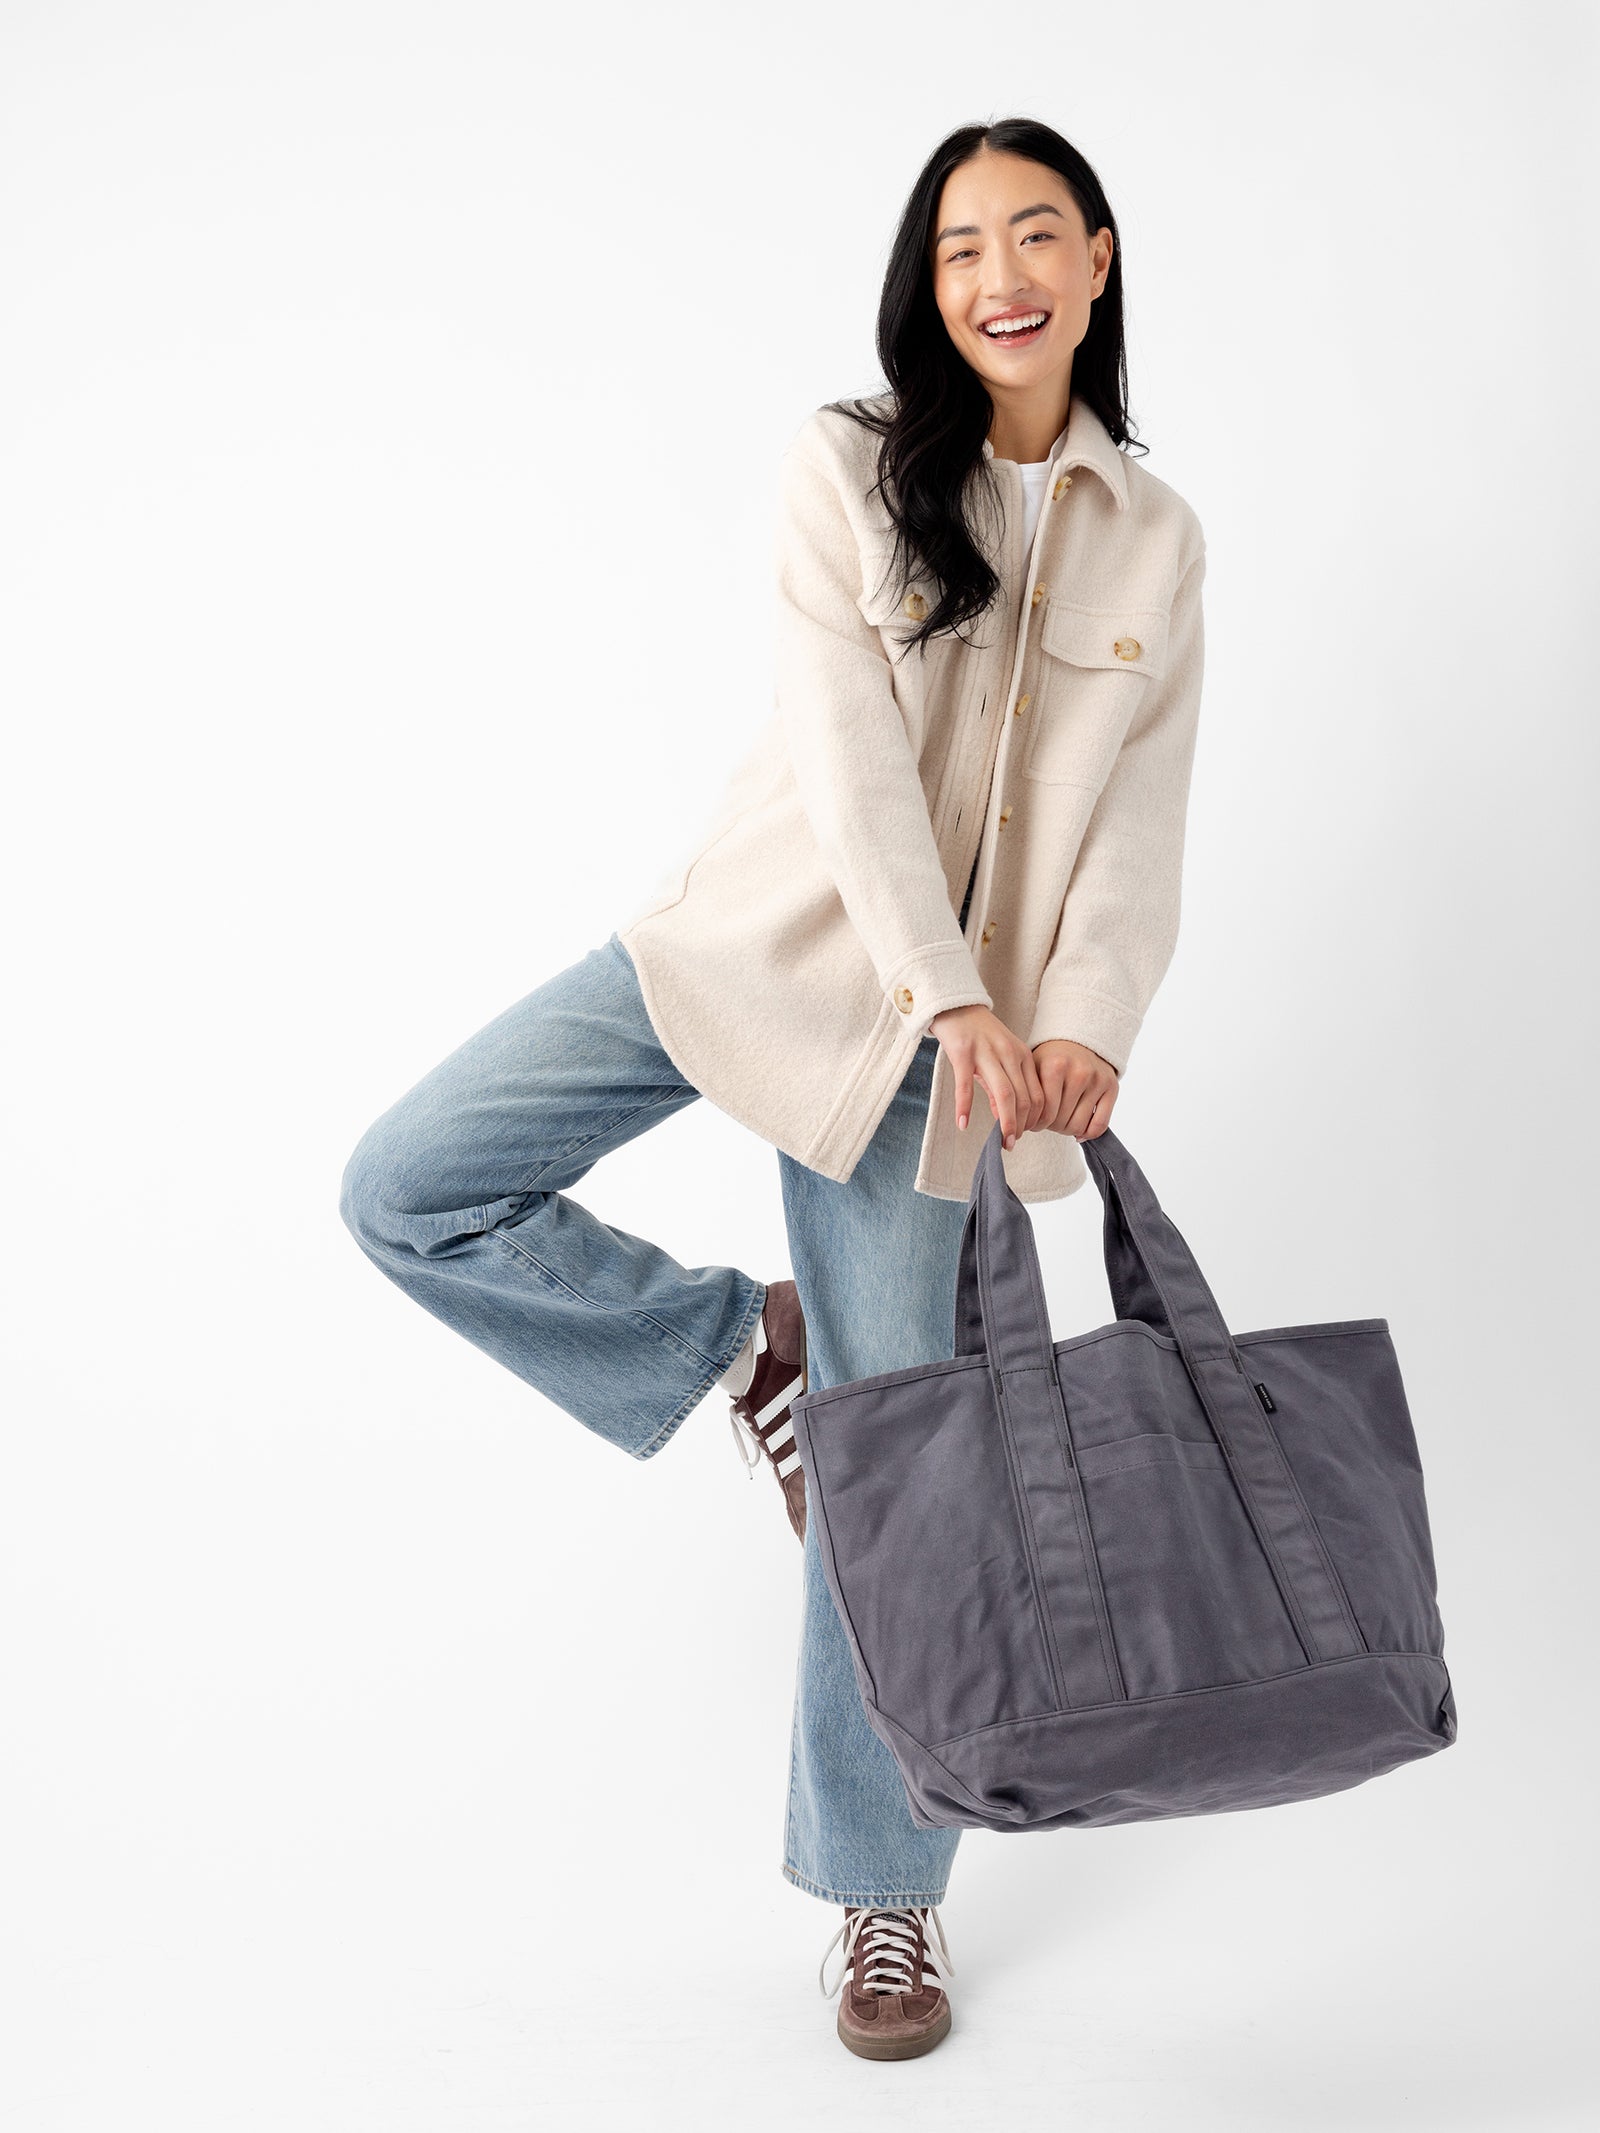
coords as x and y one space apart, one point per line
1033 481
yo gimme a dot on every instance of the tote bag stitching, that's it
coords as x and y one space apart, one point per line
1019 1494
1083 1526
1338 1328
1247 1494
1074 1487
1080 1513
1216 1688
1061 1426
1030 1542
1152 1451
1133 1221
1334 1579
821 1394
921 1748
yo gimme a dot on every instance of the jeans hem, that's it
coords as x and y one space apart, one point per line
701 1391
858 1901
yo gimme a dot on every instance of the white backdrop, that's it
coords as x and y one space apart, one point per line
382 388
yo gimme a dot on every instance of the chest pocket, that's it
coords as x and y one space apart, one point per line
1096 665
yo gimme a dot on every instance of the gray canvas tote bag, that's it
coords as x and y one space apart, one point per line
1157 1569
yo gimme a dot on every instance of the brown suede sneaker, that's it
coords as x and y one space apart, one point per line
762 1409
894 2005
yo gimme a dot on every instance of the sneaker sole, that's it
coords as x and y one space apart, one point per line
895 2047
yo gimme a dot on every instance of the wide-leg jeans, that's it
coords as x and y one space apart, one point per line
459 1193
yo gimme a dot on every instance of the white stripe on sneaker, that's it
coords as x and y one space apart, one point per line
778 1402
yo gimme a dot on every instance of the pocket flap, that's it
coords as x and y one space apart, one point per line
1131 639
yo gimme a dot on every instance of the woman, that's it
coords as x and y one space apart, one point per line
989 657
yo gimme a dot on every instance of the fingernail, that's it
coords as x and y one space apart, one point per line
962 1121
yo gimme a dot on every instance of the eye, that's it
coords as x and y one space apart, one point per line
1039 233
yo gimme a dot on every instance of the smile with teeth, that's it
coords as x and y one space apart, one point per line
1022 327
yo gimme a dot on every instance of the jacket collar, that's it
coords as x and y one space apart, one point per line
1086 442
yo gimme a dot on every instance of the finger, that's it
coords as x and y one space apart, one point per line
1002 1098
1051 1082
963 1074
1081 1123
1024 1108
1102 1113
1039 1103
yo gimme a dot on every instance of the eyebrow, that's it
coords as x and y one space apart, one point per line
970 229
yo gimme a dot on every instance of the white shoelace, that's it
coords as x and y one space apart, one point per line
888 1936
785 1460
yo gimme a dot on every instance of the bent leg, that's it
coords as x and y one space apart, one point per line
458 1193
875 1263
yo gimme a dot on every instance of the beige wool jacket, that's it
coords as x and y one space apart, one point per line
792 961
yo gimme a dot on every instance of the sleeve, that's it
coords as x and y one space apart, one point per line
853 760
1119 919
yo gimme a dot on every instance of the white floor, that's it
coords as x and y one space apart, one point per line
1350 1965
429 1780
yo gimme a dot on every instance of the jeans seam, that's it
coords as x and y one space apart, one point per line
877 1897
687 1348
665 1096
702 1390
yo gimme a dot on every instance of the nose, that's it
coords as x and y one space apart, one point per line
1003 285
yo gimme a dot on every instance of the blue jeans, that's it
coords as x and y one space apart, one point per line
458 1193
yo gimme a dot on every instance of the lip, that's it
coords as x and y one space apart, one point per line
1015 340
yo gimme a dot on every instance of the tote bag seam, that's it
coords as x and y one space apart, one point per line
1269 1547
1216 1688
1061 1429
976 1805
1030 1540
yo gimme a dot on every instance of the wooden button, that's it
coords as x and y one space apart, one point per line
987 931
1005 816
1127 648
916 606
1022 704
1061 487
1039 592
902 999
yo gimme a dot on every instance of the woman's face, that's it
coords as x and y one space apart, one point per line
1009 243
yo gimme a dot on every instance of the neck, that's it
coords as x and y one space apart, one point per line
1025 425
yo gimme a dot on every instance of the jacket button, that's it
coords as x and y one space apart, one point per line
902 998
1005 816
987 931
1127 647
916 606
1039 592
1021 706
1061 487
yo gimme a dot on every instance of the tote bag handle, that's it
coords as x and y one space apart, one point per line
1151 1272
1000 1312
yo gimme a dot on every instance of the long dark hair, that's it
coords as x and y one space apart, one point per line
931 450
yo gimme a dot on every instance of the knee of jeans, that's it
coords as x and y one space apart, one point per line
391 1206
379 1197
365 1190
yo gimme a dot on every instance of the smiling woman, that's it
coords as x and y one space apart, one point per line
1063 276
988 657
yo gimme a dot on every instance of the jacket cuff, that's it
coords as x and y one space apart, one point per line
928 980
1105 1026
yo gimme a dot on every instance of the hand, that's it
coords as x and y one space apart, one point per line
1080 1088
1059 1086
983 1049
